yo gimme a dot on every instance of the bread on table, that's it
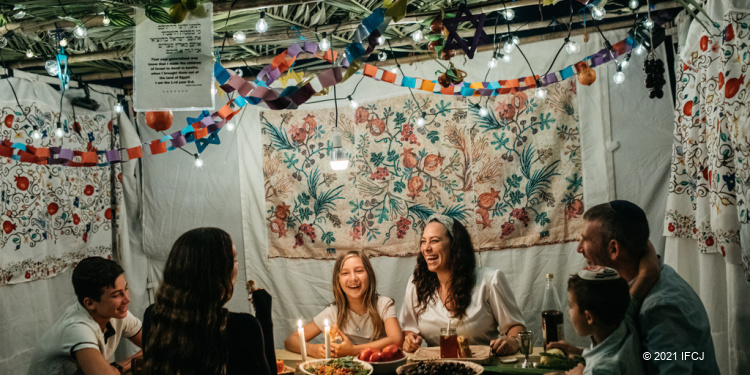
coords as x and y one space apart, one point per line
464 351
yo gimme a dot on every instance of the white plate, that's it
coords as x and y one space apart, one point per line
320 362
478 369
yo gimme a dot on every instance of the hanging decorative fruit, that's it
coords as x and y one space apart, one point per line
447 54
587 76
159 120
654 69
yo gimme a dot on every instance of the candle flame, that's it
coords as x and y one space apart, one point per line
325 322
299 323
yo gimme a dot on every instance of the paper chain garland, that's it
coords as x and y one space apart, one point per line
208 125
204 129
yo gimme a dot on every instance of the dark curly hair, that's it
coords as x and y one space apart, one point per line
188 333
462 264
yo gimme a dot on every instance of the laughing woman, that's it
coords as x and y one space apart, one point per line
446 287
364 318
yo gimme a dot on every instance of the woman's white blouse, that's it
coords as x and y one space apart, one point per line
492 306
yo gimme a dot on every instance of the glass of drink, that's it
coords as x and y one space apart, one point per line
526 343
448 343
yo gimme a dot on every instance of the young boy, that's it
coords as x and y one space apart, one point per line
86 336
600 306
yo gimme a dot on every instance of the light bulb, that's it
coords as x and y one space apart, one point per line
506 58
353 103
572 47
619 77
118 108
20 14
382 56
80 32
3 41
516 40
640 50
381 40
52 67
239 72
59 133
420 121
648 23
229 126
417 36
634 4
508 14
339 156
213 90
261 26
483 112
36 134
508 47
492 63
239 36
598 13
105 20
394 70
540 93
324 44
624 63
63 42
29 53
198 161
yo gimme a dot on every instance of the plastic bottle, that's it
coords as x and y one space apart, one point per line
552 316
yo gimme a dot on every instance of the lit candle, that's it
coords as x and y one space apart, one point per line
328 338
302 347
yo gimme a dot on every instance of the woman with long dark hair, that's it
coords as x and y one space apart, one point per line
447 287
188 330
362 317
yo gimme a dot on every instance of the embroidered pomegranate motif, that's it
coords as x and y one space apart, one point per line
483 217
704 43
22 183
721 80
410 160
415 185
52 208
487 200
108 214
729 33
282 211
688 108
76 219
9 121
733 86
278 226
8 227
376 126
432 162
89 190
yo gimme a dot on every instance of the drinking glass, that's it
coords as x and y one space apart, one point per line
448 343
526 343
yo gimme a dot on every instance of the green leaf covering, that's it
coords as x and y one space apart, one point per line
157 14
119 19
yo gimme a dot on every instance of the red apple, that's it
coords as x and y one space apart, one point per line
365 354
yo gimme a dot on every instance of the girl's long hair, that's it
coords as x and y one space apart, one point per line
370 296
188 331
462 263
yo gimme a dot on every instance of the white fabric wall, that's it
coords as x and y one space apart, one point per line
28 309
608 112
176 196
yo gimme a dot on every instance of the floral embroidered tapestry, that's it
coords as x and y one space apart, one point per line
708 192
53 216
512 177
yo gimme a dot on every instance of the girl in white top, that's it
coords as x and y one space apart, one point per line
363 318
447 286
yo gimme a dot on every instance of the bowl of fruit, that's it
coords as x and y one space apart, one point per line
385 361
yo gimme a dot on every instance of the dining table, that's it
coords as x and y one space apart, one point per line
495 365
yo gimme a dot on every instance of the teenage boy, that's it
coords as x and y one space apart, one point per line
86 336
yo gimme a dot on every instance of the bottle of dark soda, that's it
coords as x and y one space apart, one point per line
552 316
